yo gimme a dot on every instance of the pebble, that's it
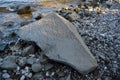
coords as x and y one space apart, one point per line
36 67
48 66
28 50
38 76
22 78
10 58
37 15
5 75
31 60
61 73
3 46
29 75
47 74
22 61
73 16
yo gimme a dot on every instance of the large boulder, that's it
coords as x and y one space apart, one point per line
60 41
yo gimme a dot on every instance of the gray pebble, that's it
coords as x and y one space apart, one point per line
36 67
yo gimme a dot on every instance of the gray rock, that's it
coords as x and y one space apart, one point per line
21 61
5 75
28 50
60 41
48 66
37 15
3 46
37 76
10 58
31 60
36 67
9 62
8 65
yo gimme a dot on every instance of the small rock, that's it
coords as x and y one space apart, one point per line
61 73
28 50
62 78
3 9
29 75
3 46
5 75
48 66
36 67
43 61
37 76
9 62
47 74
10 23
31 60
37 15
24 10
21 61
1 60
68 77
12 8
73 16
4 71
22 78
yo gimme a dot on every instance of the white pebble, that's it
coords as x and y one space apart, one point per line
22 78
4 71
29 75
47 74
5 75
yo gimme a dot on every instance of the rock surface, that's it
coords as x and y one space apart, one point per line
60 41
